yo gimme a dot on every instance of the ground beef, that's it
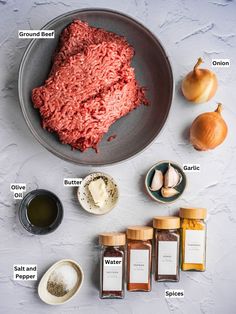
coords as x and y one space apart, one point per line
78 35
82 76
111 138
91 85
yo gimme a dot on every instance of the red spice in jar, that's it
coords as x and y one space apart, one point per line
139 258
112 265
167 248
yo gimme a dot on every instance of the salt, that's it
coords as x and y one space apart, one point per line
62 280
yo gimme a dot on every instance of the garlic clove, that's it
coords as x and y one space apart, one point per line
172 177
157 181
168 192
180 178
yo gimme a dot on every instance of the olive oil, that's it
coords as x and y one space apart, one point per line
42 211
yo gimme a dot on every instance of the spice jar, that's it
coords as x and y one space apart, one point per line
139 258
167 247
193 231
112 265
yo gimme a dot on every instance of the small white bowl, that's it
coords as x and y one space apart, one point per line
85 197
46 296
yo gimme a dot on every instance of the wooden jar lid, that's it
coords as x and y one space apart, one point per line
112 238
166 222
139 233
193 213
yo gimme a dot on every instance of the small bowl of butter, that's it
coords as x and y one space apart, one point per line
98 193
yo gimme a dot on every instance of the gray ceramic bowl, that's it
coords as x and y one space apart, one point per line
135 131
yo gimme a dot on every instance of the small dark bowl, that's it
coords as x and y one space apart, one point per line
24 218
163 166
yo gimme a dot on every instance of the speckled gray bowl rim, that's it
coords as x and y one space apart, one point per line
50 147
147 188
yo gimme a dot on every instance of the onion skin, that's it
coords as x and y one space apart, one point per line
208 130
199 85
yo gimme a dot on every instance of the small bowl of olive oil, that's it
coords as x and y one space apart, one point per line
40 212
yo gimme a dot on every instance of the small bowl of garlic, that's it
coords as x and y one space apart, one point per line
165 181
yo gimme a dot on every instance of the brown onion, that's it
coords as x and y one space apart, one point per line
200 84
208 130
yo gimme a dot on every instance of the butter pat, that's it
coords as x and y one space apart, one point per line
98 191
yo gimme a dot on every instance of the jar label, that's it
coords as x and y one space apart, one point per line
194 246
112 273
167 257
139 266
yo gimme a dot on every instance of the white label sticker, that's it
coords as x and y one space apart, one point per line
72 181
25 272
18 195
174 293
194 246
139 266
220 63
167 257
112 273
18 189
191 167
41 33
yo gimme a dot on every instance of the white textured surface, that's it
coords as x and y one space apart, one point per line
188 29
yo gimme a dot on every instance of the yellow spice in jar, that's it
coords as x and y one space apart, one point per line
193 243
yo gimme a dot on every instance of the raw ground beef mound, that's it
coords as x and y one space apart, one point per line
90 86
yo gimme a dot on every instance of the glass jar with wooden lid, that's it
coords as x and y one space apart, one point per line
112 265
167 248
193 234
139 258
